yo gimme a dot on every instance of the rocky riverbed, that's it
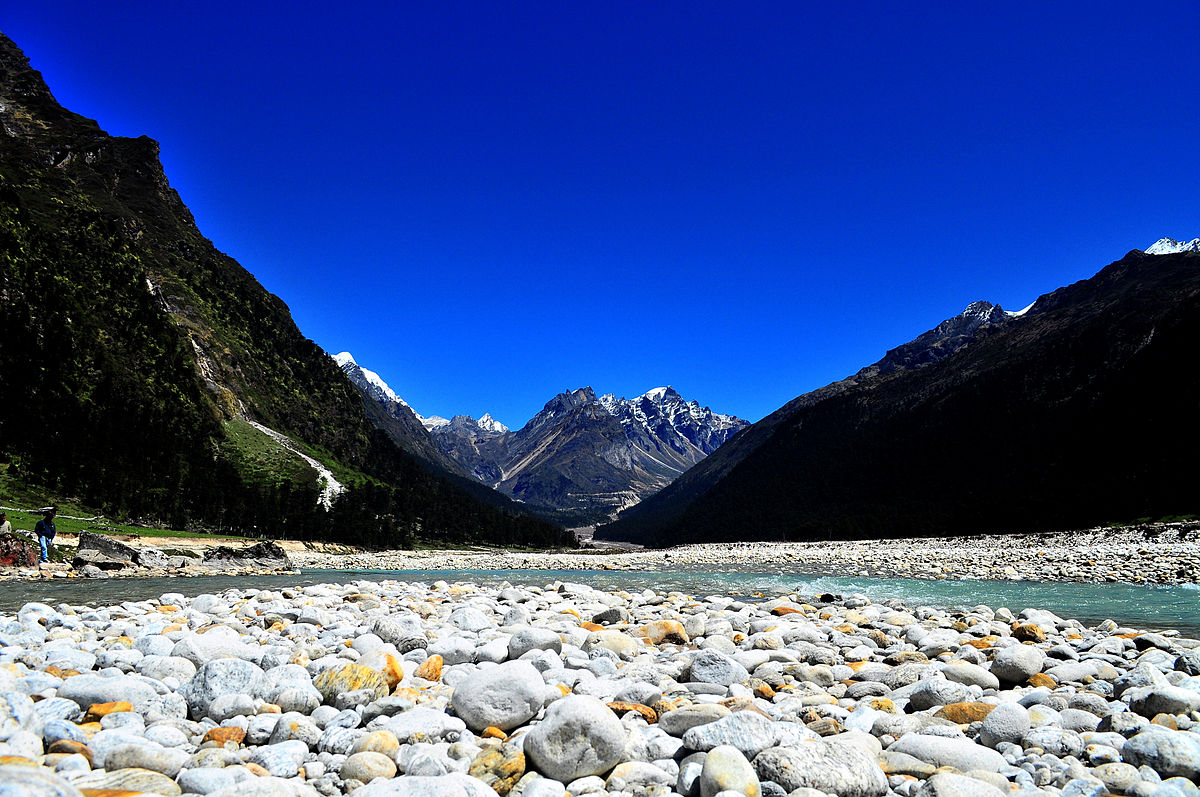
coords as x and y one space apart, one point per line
1167 553
393 688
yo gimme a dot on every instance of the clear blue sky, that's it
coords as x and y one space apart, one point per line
489 203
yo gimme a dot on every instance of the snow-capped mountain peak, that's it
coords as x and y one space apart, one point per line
490 424
346 361
434 422
1169 246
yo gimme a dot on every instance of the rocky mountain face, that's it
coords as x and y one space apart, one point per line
155 378
582 458
394 417
596 455
1078 411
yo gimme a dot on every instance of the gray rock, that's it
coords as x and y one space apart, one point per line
470 619
88 688
1007 722
26 781
423 724
217 642
964 672
748 731
18 713
1118 777
938 692
146 756
503 696
1014 664
726 769
277 759
579 736
639 779
1055 741
151 557
204 780
962 754
844 770
714 667
1161 699
102 551
455 784
527 639
947 784
222 677
1169 753
266 787
1078 720
678 721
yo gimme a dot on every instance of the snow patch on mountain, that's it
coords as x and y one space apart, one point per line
1169 246
490 424
345 360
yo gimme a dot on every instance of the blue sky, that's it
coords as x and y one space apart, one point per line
491 203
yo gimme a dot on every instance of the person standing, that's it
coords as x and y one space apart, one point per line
5 526
45 531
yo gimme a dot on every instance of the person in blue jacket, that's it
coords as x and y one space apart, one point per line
45 531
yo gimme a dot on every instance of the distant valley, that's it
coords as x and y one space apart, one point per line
583 457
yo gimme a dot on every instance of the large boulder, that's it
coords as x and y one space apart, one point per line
263 555
17 551
103 552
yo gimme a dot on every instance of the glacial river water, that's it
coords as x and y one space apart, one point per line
1149 607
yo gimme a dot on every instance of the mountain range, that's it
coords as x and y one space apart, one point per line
152 377
1080 409
582 458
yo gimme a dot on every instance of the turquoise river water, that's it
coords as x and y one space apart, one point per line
1136 606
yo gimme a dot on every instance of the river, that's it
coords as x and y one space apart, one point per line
1132 605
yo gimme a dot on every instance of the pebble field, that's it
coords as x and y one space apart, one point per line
457 690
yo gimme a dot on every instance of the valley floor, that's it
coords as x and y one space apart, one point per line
1167 553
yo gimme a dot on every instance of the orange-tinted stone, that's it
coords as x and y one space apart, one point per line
70 747
98 710
1041 679
588 625
16 761
621 708
492 732
431 668
965 713
1028 633
222 735
660 631
780 611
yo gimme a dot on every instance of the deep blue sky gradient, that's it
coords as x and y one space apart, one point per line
492 203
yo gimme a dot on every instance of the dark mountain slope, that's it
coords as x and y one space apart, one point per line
1082 411
132 350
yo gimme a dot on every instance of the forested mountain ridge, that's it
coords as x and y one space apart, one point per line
1080 410
135 354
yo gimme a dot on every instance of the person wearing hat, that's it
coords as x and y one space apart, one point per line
45 532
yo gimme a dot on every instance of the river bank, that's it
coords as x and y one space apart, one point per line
403 689
1155 554
1163 554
